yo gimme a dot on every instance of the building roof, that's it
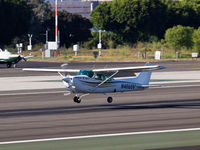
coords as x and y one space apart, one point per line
81 7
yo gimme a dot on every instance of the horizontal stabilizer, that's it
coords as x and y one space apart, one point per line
27 57
147 86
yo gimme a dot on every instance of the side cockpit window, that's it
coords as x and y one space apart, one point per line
88 73
91 74
100 77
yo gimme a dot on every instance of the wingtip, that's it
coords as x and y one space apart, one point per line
162 67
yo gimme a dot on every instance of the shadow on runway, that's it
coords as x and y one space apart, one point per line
197 147
191 104
187 104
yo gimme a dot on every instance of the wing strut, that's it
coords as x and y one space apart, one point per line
61 74
106 79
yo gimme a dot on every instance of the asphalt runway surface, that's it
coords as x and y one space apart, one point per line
25 117
29 116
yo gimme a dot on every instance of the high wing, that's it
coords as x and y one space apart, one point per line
130 69
52 70
106 71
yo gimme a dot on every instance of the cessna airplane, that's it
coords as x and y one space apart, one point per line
10 59
103 81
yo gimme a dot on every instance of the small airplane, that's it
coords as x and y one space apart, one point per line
102 80
11 59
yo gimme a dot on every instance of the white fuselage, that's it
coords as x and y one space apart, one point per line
85 84
7 55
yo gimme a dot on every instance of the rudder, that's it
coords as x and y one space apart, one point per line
144 77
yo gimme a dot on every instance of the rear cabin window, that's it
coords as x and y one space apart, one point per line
100 77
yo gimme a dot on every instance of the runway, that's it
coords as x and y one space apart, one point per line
46 113
26 117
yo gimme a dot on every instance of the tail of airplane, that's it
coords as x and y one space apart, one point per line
144 77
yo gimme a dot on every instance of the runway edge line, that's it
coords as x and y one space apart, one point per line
100 135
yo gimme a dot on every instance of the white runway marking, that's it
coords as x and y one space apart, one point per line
33 93
175 86
66 93
101 135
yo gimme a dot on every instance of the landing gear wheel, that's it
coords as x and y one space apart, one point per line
77 99
109 99
9 65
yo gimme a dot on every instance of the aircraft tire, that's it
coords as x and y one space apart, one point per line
109 99
77 99
9 65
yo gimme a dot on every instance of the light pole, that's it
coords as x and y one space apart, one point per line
46 37
56 25
30 45
99 46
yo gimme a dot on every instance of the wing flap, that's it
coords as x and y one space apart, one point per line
132 69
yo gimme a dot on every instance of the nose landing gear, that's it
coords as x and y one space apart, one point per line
77 99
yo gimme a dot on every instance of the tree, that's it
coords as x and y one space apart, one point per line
196 40
108 40
73 28
131 19
101 16
40 10
15 19
179 37
182 13
139 20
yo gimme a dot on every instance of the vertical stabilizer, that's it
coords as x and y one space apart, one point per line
144 77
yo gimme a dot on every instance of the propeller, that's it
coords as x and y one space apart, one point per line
22 57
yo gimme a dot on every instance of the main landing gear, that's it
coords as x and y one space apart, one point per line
9 65
77 99
109 99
